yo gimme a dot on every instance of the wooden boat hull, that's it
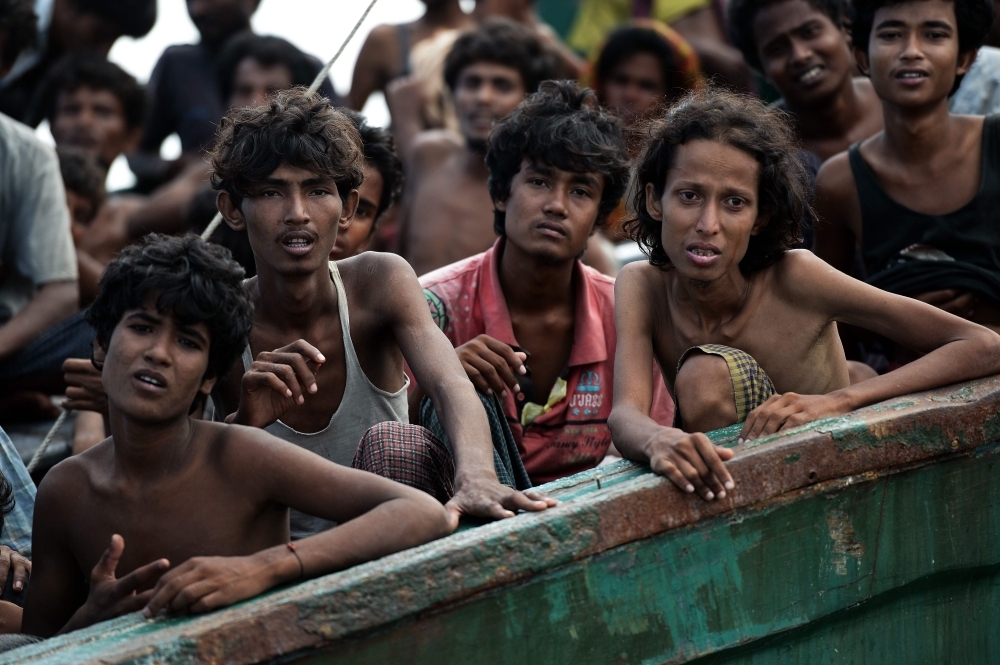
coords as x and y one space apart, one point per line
869 538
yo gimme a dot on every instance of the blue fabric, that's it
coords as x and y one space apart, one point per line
16 533
72 338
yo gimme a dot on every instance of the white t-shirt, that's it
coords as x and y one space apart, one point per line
36 245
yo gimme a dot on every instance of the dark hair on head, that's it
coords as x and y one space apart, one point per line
83 176
18 29
381 155
740 16
295 127
560 126
266 50
135 18
745 123
503 42
192 281
974 18
85 70
200 214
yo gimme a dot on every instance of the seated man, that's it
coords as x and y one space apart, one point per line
531 323
378 192
445 216
95 106
172 317
85 195
745 328
921 199
324 362
802 48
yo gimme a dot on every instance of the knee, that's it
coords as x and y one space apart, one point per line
859 372
704 392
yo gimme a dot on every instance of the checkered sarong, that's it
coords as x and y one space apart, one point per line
751 384
408 454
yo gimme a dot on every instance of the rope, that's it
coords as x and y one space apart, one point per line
37 457
214 224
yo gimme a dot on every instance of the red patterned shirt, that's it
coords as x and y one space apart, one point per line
466 301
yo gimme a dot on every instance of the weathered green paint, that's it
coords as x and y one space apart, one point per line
845 513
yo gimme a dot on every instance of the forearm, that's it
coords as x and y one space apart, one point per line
464 420
962 360
632 431
52 303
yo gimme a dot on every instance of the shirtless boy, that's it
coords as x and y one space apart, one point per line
446 213
288 174
541 331
172 316
744 328
931 178
803 49
377 193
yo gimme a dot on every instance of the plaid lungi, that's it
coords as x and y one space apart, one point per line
751 384
408 454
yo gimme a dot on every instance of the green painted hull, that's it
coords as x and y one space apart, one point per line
869 538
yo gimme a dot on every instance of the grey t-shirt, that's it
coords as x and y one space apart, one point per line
36 246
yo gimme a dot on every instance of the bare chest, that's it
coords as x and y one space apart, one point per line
451 219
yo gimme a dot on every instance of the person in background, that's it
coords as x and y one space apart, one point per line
530 323
184 91
378 192
65 27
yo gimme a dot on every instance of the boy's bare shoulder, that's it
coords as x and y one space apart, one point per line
799 275
66 481
374 268
641 276
835 174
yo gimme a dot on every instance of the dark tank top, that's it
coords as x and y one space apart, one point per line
970 234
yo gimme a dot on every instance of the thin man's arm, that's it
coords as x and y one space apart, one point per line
838 212
52 303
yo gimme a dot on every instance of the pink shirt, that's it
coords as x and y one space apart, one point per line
466 301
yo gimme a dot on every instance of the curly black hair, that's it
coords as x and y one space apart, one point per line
561 126
740 15
974 19
192 281
381 155
18 30
295 127
502 41
84 70
742 122
268 51
82 175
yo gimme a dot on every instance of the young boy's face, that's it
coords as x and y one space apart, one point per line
550 213
802 52
913 55
708 209
354 239
154 366
94 121
635 85
292 219
484 93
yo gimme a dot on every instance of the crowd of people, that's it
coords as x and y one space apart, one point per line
396 328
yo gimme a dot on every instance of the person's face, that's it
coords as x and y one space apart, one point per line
154 366
94 121
76 30
708 209
81 213
635 85
253 83
550 213
292 219
355 238
802 52
217 20
913 55
484 93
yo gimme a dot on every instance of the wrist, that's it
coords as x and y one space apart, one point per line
662 436
473 474
846 400
278 565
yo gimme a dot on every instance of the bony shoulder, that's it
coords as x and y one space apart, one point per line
798 269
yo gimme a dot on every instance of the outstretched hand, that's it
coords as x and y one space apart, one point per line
781 412
111 597
692 462
491 365
482 495
277 381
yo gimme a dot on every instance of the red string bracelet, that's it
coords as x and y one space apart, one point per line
293 550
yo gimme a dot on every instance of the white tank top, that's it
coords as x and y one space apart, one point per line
362 407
